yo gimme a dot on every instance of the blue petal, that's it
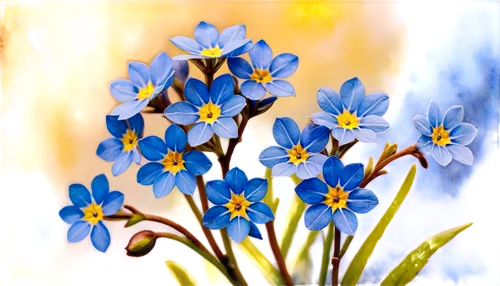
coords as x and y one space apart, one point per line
186 44
342 135
453 116
100 237
206 35
100 188
153 148
138 73
163 184
434 114
78 231
136 123
216 217
175 138
318 216
365 135
186 57
284 65
148 173
375 103
181 70
286 132
226 128
331 171
222 89
237 180
463 134
253 90
123 89
265 104
351 176
284 169
329 101
196 92
196 162
317 159
352 92
109 149
315 138
70 214
129 108
79 195
256 189
238 228
233 106
185 182
122 162
260 213
183 113
200 133
218 192
112 203
462 154
232 33
441 155
425 144
361 201
240 68
136 156
279 87
324 119
235 48
308 169
273 155
312 191
254 231
261 55
345 221
422 124
161 69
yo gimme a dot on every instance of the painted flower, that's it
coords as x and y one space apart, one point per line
145 84
171 166
298 153
238 205
338 198
210 110
445 136
208 43
352 115
122 147
266 74
86 214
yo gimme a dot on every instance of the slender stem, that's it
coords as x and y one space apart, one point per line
327 247
336 259
226 159
203 193
194 208
209 78
268 269
296 210
277 253
345 246
231 259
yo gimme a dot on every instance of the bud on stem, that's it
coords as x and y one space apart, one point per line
141 243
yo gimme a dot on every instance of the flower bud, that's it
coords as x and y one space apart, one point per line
141 243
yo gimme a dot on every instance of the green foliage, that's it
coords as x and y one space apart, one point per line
325 259
181 274
270 272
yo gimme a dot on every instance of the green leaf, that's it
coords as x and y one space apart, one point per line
408 269
270 272
303 263
345 246
296 210
325 259
181 274
134 219
369 167
358 263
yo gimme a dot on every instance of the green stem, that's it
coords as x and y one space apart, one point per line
194 208
269 271
230 255
325 259
296 210
304 252
345 246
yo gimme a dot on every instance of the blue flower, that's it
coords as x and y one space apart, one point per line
338 199
352 115
298 152
267 73
208 43
211 110
238 205
171 166
87 213
145 84
445 136
122 148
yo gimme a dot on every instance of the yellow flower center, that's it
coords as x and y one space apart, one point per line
262 76
212 53
238 205
209 112
129 140
173 162
440 136
298 154
93 213
146 91
347 120
336 198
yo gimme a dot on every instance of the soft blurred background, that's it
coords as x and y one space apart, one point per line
57 61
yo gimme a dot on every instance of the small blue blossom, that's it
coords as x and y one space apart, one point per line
267 73
238 205
298 153
208 43
122 148
338 198
86 214
445 136
170 166
352 115
145 84
210 110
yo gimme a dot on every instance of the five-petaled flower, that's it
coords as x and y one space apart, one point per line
445 136
208 43
338 199
352 115
172 167
86 214
297 153
122 148
267 73
145 84
212 110
238 205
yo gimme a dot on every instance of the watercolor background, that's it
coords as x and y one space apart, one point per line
58 58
